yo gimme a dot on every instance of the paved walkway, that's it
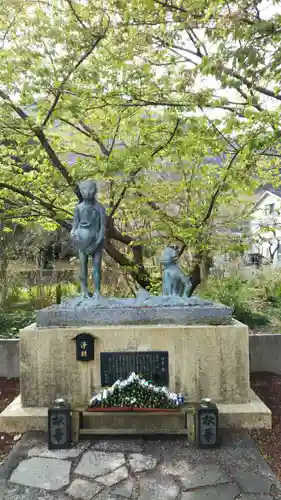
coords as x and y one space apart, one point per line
120 469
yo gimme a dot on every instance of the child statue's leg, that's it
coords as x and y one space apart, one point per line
166 288
187 287
83 258
96 272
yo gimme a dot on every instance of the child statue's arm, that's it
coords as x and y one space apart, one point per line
96 243
75 221
101 234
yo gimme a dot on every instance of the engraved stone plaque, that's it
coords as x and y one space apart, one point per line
59 428
151 365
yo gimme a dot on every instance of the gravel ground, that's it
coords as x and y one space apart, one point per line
9 389
268 388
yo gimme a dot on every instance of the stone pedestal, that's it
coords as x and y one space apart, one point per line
204 360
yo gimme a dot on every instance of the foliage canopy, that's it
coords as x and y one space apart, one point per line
115 91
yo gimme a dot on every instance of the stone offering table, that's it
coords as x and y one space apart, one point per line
208 356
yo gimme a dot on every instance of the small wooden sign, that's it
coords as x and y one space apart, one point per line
85 347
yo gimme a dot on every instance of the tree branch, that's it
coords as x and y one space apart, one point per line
35 215
114 136
249 84
87 155
78 18
163 146
10 26
27 194
115 234
38 132
124 190
95 137
133 174
218 189
171 6
64 120
229 71
137 272
247 98
178 47
196 42
70 72
16 108
233 146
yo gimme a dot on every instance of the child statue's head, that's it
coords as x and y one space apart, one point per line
88 189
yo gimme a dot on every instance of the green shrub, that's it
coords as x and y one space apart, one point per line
21 304
11 322
251 318
272 290
155 287
240 294
40 296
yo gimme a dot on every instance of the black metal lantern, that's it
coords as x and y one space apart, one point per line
207 424
59 425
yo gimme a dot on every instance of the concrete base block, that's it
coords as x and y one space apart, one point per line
16 418
265 352
252 415
203 360
9 358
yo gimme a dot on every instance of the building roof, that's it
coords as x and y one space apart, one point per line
268 188
263 192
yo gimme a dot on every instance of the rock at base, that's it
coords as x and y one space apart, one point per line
46 473
97 463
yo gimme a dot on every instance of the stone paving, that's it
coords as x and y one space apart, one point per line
120 469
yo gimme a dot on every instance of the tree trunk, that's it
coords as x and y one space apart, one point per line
200 271
3 265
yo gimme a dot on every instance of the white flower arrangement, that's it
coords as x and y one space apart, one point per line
136 392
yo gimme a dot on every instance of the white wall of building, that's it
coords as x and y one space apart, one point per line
267 213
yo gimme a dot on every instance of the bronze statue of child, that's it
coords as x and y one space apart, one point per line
87 234
174 281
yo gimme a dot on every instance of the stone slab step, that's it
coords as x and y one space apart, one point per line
252 415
